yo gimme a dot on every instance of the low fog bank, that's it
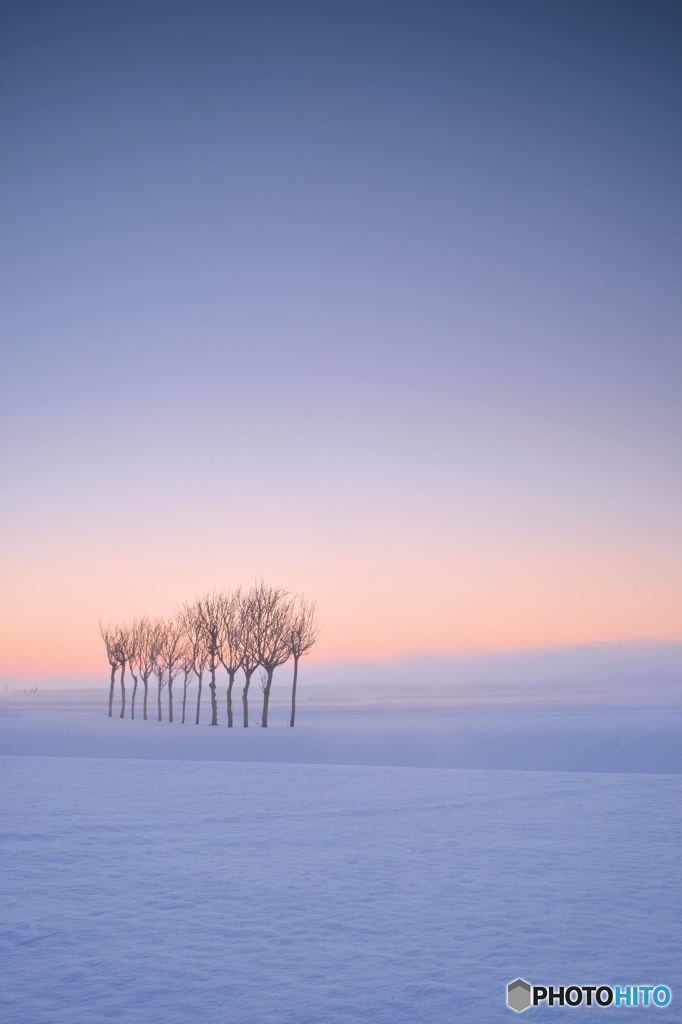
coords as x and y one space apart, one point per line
601 673
633 674
508 737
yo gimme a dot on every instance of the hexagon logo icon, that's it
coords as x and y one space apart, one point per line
518 995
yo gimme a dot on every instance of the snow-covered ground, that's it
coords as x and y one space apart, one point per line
372 865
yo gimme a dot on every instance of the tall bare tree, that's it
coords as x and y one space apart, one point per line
192 637
126 648
148 644
194 633
303 631
158 644
248 657
231 646
134 662
173 652
270 612
108 634
210 615
187 669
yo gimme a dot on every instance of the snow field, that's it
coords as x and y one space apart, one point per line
178 891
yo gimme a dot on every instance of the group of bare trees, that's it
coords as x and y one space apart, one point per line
241 631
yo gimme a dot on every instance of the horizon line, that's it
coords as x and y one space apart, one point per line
404 657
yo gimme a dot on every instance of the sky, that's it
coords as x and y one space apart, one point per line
377 301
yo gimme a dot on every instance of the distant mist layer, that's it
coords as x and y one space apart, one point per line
633 672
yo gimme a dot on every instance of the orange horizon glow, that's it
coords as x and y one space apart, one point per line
389 620
63 667
385 586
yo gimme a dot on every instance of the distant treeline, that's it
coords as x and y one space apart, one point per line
240 631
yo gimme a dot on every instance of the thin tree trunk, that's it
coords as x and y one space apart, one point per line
214 699
184 697
146 694
132 699
123 691
158 700
293 695
266 698
111 689
230 721
245 697
170 695
198 702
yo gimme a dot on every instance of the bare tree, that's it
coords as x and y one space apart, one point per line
248 657
209 612
187 668
196 655
134 662
158 660
173 651
303 631
126 649
194 633
108 634
192 636
147 648
270 612
231 646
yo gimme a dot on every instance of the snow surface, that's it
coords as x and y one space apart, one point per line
368 866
